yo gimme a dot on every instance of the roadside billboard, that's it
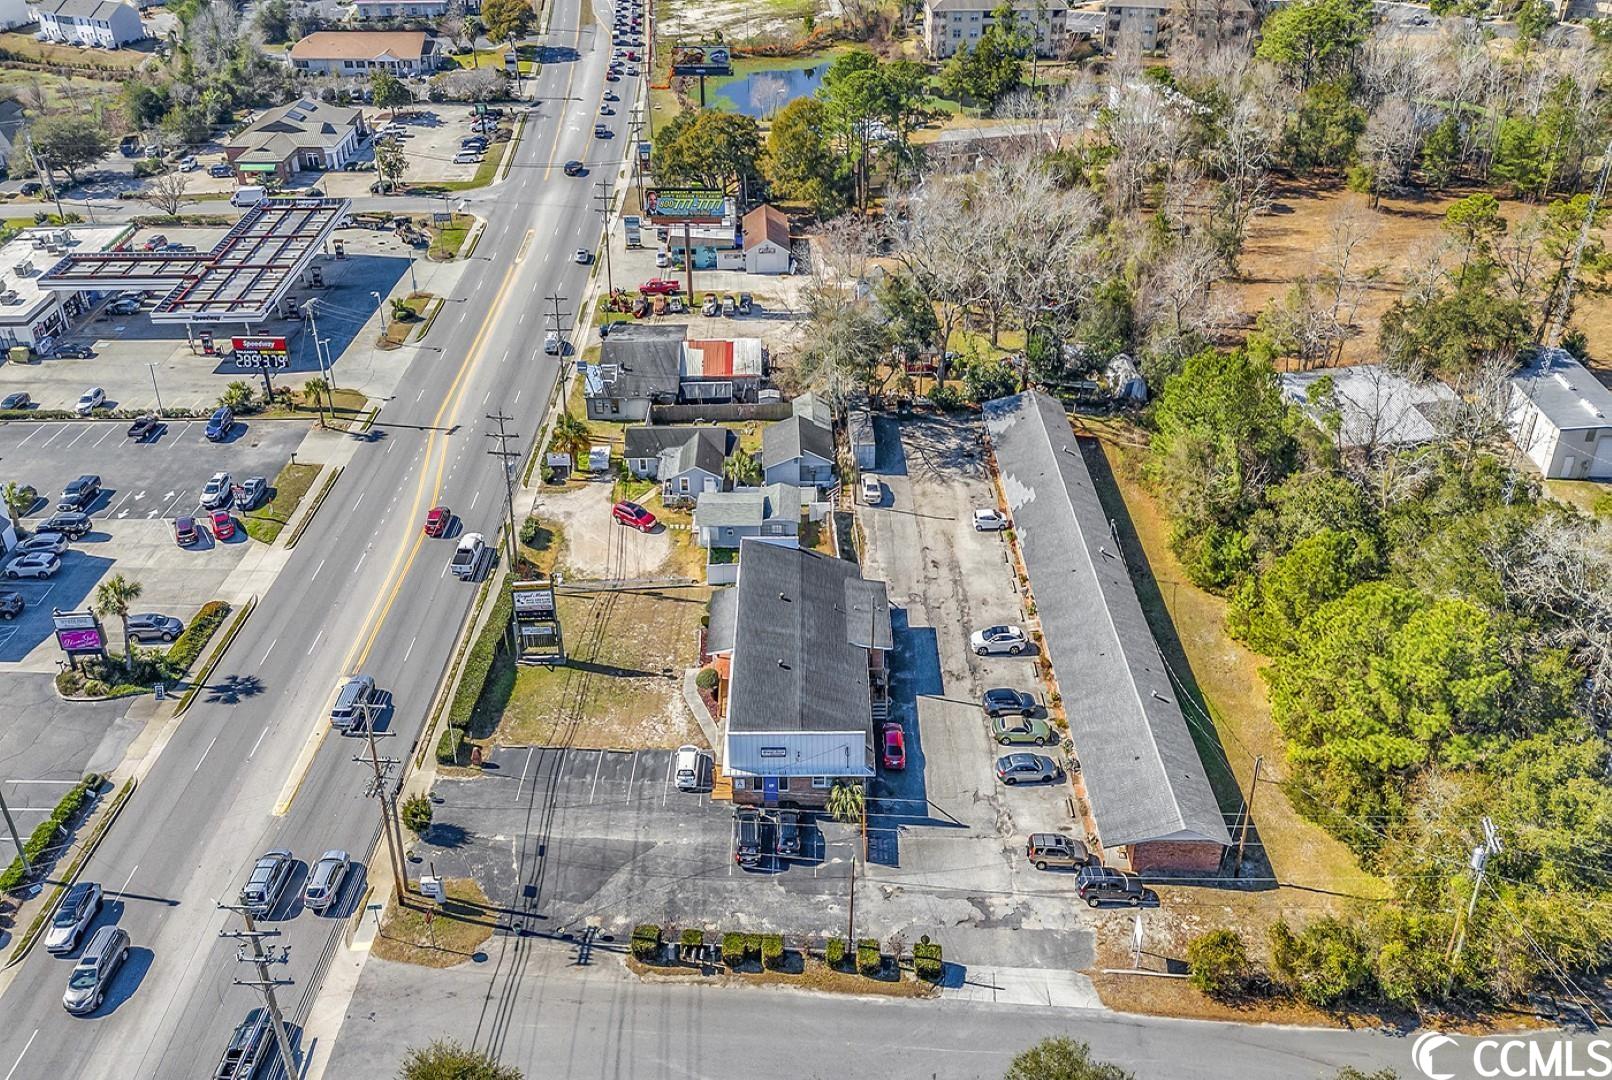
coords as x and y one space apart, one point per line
684 206
702 59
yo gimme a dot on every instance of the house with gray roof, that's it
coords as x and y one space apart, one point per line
1147 786
305 135
723 518
798 451
1368 406
801 651
640 364
687 470
1560 415
645 443
107 23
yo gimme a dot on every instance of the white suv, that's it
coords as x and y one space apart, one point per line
999 639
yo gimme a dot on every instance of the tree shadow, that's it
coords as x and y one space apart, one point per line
233 689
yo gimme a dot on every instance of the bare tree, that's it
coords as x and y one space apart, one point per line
166 192
213 34
1341 272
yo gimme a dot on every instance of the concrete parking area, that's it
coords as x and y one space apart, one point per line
47 745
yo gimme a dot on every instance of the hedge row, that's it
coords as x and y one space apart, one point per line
646 941
43 838
487 649
926 961
194 638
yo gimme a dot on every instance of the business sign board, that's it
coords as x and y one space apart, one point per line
78 632
703 59
684 206
259 352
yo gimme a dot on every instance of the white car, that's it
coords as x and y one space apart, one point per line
219 491
872 491
999 639
466 157
53 542
187 164
990 521
38 564
692 763
583 256
90 400
663 258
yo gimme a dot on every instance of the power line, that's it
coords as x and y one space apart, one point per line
264 983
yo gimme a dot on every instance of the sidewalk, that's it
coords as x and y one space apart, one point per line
1019 986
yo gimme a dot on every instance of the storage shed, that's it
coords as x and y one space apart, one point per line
859 425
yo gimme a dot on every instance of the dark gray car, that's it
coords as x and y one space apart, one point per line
80 493
262 890
11 604
152 626
71 523
95 970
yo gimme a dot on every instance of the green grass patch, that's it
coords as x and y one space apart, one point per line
292 483
184 651
448 239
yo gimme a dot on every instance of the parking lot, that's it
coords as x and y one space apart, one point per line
144 487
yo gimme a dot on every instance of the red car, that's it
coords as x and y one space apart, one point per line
223 524
664 286
436 520
895 746
629 513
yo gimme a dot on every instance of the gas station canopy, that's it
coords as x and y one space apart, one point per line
240 281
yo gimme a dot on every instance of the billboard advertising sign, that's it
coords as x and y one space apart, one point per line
684 206
78 632
703 59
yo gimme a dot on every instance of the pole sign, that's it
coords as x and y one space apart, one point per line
684 206
79 633
703 59
259 352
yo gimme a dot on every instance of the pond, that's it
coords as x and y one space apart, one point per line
763 93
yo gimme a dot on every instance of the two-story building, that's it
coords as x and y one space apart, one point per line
106 23
1153 26
952 25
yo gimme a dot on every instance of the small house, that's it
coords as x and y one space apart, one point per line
772 513
799 452
687 470
1560 415
639 366
766 241
646 443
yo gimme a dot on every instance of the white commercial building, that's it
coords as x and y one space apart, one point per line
29 314
1560 415
107 23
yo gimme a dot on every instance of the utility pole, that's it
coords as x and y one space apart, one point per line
15 839
310 306
264 982
1479 861
394 838
1248 812
507 458
638 162
48 177
602 197
559 320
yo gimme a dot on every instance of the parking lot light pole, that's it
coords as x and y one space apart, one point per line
22 852
154 389
381 308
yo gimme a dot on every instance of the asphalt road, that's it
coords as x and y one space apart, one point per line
364 591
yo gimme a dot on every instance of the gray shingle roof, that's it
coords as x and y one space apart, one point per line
796 664
641 361
81 9
748 507
1138 760
791 438
1569 395
647 441
695 453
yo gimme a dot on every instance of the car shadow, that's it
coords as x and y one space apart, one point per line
127 980
290 905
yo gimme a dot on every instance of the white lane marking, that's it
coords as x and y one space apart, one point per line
113 508
203 758
474 499
410 649
315 644
420 395
127 880
517 399
360 561
259 742
318 568
524 314
267 651
357 501
484 398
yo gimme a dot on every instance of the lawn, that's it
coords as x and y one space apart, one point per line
451 936
264 523
398 330
114 62
494 58
613 692
447 240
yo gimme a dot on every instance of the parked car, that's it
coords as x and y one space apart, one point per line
1026 769
1101 884
999 639
53 542
788 833
250 492
145 427
893 746
1005 701
872 490
155 243
11 604
1021 731
262 890
690 769
630 513
659 286
325 881
152 626
80 493
747 303
466 157
74 351
1052 851
79 906
663 259
73 524
124 305
219 169
574 168
90 400
990 521
223 525
185 531
752 836
711 306
39 565
247 1047
219 491
220 424
437 520
96 968
30 188
18 400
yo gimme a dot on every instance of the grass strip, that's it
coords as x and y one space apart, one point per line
290 485
318 501
212 661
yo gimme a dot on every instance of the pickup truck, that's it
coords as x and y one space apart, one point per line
468 556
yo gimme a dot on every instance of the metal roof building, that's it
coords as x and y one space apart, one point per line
1560 415
1147 785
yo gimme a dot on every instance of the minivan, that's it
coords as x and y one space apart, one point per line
352 703
690 771
96 967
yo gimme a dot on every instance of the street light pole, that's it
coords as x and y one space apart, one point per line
379 306
154 389
15 839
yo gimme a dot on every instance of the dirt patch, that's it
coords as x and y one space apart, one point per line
596 547
622 685
449 937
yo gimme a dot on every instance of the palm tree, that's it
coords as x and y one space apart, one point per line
845 801
317 389
571 436
113 597
18 499
743 470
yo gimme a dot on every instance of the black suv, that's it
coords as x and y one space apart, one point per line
72 524
789 833
754 839
1097 884
80 493
1002 701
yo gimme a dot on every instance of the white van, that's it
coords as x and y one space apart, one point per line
248 196
690 769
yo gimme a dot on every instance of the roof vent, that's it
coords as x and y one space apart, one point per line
785 598
1591 409
1566 383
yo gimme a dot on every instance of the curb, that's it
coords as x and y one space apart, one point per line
206 671
313 507
32 935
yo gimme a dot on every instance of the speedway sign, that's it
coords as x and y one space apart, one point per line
259 352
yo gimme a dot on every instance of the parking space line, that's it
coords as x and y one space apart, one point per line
31 435
525 767
666 791
633 775
517 400
102 439
87 429
53 437
113 508
595 786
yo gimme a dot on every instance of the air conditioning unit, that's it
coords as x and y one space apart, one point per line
26 268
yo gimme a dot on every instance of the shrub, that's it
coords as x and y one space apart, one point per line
733 949
479 662
944 397
772 951
926 959
834 952
417 814
448 745
646 941
188 646
534 534
1324 963
692 938
868 959
40 841
1218 962
92 781
239 397
752 946
706 680
148 167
